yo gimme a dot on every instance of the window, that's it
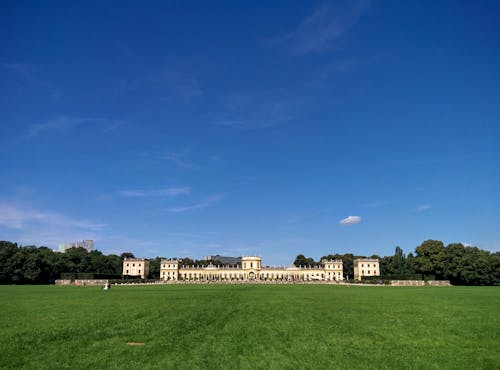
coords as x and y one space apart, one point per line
251 264
362 265
126 272
127 264
139 271
362 272
133 265
368 272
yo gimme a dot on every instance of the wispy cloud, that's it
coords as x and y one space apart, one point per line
422 207
62 123
207 202
322 27
351 220
167 192
183 85
29 73
15 216
180 159
247 112
31 225
415 162
165 84
23 69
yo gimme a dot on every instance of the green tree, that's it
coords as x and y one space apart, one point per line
302 260
430 258
154 267
399 261
7 250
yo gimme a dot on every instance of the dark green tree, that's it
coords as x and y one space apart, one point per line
430 258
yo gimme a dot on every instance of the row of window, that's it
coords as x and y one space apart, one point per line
368 272
169 272
333 266
138 271
133 265
368 265
245 264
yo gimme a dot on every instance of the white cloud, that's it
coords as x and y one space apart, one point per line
66 122
196 206
322 27
180 84
351 220
167 192
30 225
258 112
24 69
14 216
30 79
166 84
179 159
422 207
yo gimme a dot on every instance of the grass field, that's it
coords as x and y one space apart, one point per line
250 326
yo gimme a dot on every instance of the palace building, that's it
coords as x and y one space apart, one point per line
366 267
136 267
251 269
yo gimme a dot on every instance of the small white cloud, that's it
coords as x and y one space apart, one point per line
351 220
423 207
201 205
65 122
180 159
168 192
322 27
183 85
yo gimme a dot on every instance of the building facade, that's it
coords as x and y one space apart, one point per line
366 267
87 244
251 269
138 267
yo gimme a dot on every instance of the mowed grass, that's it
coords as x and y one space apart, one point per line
250 326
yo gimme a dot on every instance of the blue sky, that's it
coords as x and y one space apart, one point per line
241 128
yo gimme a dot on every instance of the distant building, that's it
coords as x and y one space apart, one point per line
169 269
224 260
136 267
87 244
366 267
251 269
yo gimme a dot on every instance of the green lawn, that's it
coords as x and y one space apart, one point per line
250 326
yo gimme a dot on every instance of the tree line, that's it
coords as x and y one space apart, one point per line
462 265
41 265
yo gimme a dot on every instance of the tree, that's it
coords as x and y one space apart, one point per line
301 260
154 267
430 258
410 264
347 263
126 255
399 261
7 250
